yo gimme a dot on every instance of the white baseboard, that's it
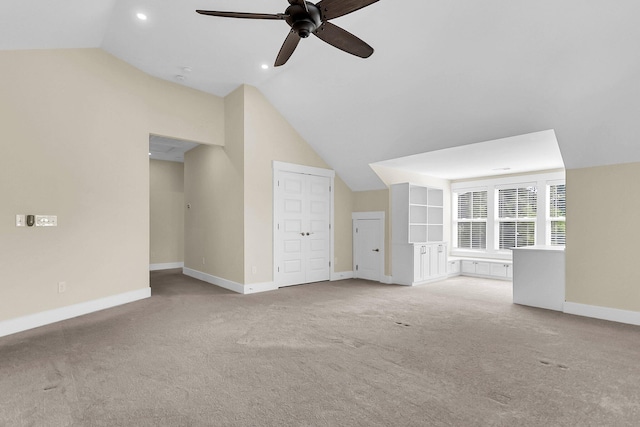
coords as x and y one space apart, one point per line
251 288
19 324
341 275
605 313
165 266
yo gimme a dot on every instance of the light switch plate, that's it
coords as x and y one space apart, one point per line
21 221
46 220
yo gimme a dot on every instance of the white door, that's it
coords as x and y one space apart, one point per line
303 231
367 249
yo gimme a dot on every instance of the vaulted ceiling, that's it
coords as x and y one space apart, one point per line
444 73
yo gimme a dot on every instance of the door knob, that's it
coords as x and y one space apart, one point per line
375 250
302 234
307 233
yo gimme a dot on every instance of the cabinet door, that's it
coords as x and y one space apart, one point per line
453 267
442 259
510 271
426 262
417 263
483 268
433 260
468 267
499 270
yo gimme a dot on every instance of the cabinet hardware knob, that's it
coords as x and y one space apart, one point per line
375 250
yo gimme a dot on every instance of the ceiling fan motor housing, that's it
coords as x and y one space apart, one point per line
303 22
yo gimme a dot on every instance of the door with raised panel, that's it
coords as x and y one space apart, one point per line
303 228
366 249
421 262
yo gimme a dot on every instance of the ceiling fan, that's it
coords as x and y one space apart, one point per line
306 18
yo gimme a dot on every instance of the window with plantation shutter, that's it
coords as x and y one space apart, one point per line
557 214
517 214
471 221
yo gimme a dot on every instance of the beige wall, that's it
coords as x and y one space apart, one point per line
75 128
269 137
214 187
166 212
377 201
602 239
229 227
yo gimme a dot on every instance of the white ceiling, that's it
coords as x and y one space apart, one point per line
170 149
517 154
444 73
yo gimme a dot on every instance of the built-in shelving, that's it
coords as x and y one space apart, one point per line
418 213
419 252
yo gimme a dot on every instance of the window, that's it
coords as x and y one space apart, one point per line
557 214
472 220
490 216
517 213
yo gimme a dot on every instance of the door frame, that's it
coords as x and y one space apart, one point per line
305 170
379 215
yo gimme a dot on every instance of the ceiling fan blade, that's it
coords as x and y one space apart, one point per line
289 45
343 40
243 15
302 3
334 8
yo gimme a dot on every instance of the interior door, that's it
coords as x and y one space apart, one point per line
303 233
316 224
367 250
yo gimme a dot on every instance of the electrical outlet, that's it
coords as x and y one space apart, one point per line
203 261
21 221
254 270
62 287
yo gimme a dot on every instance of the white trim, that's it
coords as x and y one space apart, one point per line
605 313
165 266
253 288
306 170
375 215
341 275
507 180
19 324
229 284
368 215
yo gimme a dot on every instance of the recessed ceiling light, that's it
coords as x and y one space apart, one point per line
141 16
264 66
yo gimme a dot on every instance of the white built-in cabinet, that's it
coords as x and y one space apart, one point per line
494 269
417 213
419 254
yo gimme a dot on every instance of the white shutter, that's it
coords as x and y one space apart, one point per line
472 220
517 212
557 213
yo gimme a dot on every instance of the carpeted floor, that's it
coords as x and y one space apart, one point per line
347 353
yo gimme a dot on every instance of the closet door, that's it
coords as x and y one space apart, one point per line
318 215
302 235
